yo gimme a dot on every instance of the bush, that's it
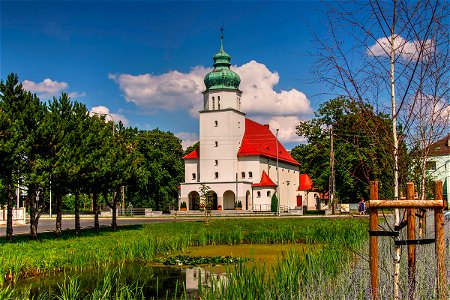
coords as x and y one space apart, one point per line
274 203
183 205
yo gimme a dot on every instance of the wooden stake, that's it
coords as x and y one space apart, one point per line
440 244
373 244
411 235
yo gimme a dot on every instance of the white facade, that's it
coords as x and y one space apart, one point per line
438 164
232 176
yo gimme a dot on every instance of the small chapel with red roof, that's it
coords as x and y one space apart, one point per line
240 160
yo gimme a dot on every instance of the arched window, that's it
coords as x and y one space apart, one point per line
216 144
216 123
258 194
268 193
216 175
216 162
243 174
214 103
250 174
194 176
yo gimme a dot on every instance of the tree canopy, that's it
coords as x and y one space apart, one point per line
60 146
360 140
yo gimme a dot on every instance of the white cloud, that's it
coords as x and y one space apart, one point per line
49 88
175 90
187 138
104 111
183 91
404 48
169 91
258 82
74 95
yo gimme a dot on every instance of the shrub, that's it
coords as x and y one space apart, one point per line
274 203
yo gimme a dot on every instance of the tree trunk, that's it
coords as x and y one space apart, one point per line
395 138
77 212
9 206
58 208
113 207
114 210
33 223
96 212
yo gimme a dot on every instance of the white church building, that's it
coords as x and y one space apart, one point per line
237 158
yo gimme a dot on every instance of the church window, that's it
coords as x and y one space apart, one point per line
216 162
243 174
268 193
216 123
216 175
250 174
258 194
216 144
193 176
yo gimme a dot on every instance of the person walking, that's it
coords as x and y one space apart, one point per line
362 207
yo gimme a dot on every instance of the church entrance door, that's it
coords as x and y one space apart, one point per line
194 200
228 200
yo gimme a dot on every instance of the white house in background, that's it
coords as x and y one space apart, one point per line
237 157
438 163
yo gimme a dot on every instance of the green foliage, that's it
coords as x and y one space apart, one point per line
183 205
152 240
191 148
362 146
274 203
161 171
61 143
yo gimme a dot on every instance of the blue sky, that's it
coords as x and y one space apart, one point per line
143 61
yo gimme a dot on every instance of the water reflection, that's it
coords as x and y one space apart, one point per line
158 282
196 276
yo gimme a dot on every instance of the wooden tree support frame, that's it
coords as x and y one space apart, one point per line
411 205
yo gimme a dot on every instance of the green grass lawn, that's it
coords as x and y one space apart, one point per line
334 240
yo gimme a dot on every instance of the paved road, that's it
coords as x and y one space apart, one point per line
48 225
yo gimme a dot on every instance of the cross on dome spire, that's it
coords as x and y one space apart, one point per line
221 38
222 77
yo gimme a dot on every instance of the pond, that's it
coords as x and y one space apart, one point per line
155 280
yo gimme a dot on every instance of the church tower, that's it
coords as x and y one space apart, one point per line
222 84
222 124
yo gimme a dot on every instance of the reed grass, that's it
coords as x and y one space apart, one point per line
146 242
332 272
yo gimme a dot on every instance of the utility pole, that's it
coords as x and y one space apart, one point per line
278 174
332 177
50 207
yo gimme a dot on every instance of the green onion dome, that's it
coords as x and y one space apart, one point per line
222 77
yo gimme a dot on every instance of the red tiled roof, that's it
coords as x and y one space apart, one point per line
441 147
265 180
305 182
259 140
193 155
